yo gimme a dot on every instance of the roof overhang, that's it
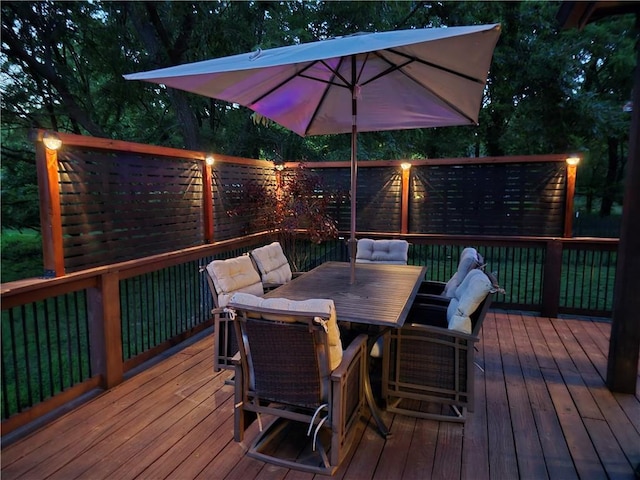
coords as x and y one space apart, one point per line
579 14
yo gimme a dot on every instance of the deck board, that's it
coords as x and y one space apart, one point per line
542 411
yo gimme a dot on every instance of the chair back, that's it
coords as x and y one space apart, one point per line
272 264
470 302
469 259
232 275
296 375
226 277
394 252
292 367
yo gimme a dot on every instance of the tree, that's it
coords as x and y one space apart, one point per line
548 91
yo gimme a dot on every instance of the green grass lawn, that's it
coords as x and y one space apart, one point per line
21 254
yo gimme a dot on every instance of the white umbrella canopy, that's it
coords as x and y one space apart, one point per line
419 78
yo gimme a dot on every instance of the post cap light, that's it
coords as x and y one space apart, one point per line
278 166
573 161
51 140
405 165
210 160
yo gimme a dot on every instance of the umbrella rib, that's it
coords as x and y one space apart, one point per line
434 65
287 80
330 83
411 59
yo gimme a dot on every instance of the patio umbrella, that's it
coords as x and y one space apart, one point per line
431 77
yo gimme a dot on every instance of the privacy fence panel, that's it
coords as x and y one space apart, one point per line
115 207
378 192
232 186
118 201
488 199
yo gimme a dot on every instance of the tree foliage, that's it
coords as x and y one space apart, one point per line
549 90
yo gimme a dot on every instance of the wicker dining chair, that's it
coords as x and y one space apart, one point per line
428 369
226 277
291 366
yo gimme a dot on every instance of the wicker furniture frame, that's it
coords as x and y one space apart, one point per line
428 370
296 386
225 345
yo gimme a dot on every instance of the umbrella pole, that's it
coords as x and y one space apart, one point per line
354 170
352 239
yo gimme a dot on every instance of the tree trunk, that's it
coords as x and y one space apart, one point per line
609 190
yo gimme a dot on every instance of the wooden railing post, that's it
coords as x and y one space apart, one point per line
105 330
551 278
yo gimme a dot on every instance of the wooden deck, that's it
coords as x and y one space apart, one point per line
543 411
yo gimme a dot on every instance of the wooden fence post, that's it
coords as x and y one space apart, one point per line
551 278
572 168
50 211
404 201
207 199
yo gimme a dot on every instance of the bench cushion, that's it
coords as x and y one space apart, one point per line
393 252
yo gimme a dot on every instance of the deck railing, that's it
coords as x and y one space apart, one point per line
65 337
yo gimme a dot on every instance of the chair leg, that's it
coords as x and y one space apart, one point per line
241 417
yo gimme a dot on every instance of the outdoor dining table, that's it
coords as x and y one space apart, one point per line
381 296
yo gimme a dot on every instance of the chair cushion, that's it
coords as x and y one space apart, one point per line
272 264
469 259
468 296
315 305
393 252
234 275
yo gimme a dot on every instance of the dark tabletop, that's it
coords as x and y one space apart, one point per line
381 295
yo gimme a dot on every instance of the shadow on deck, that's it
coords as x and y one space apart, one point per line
542 411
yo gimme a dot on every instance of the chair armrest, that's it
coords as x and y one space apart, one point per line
428 314
356 348
432 329
432 287
217 311
433 299
236 359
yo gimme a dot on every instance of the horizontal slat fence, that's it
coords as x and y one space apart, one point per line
232 183
115 206
488 199
106 201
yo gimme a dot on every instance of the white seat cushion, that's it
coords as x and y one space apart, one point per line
393 252
468 297
234 275
469 259
316 305
272 263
